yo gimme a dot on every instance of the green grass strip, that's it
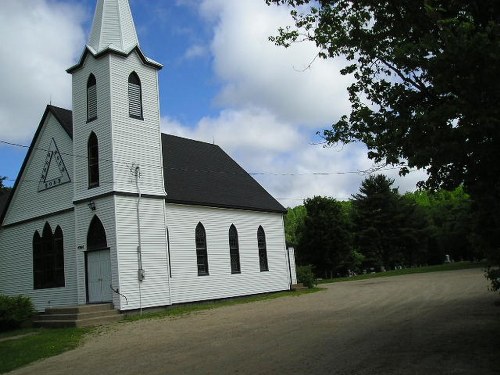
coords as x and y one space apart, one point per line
179 310
39 344
407 271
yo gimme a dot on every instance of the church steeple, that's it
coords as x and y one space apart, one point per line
113 28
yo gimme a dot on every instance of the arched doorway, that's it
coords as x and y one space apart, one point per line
98 264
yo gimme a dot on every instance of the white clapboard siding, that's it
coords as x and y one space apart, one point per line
187 286
16 258
154 289
100 126
27 201
105 211
136 142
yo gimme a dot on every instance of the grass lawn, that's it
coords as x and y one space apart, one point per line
406 271
21 347
36 344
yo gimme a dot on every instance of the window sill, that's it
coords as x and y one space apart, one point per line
137 117
91 119
93 186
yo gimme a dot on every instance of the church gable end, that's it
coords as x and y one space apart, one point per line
44 184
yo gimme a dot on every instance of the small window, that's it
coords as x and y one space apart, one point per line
48 258
261 242
93 161
134 96
234 250
201 250
96 236
91 98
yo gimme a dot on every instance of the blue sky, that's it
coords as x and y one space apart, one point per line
222 82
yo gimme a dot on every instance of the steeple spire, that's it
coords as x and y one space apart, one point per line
113 28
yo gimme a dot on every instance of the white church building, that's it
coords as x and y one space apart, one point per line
106 208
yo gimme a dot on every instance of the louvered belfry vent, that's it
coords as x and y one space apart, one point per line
134 96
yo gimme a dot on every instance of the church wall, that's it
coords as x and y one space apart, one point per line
187 286
154 288
106 213
16 258
100 126
28 202
136 141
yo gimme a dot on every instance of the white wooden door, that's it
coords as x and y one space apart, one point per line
99 276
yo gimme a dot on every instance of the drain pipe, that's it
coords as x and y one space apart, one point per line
140 270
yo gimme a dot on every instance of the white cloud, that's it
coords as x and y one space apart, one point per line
255 72
40 40
195 51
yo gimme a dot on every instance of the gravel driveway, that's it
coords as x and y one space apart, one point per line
434 323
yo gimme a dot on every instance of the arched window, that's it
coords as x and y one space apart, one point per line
96 236
261 242
48 258
93 160
201 250
234 249
91 98
134 96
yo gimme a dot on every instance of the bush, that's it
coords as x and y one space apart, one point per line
493 274
305 275
14 311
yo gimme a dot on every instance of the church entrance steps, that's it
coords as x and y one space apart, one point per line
78 316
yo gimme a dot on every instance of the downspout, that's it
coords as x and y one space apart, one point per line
140 270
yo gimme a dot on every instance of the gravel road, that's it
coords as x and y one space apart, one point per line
434 323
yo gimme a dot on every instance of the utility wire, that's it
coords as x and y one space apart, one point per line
129 163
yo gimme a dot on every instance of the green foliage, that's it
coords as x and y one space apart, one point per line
424 92
407 271
294 221
451 223
305 275
14 311
326 240
42 343
493 274
389 230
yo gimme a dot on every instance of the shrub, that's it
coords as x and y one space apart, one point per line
14 311
305 275
493 274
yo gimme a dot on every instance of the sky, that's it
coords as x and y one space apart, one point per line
223 82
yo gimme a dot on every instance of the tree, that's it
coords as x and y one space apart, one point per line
389 230
426 91
450 216
326 241
294 221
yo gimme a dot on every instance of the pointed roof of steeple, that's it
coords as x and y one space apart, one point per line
113 30
113 27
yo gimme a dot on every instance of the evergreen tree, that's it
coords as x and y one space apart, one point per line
389 230
326 240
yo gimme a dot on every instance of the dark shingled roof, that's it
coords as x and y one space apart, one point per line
195 173
65 117
4 198
203 174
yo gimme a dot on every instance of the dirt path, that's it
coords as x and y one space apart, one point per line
435 323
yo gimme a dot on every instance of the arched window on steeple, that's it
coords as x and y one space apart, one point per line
134 96
96 235
91 98
93 160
